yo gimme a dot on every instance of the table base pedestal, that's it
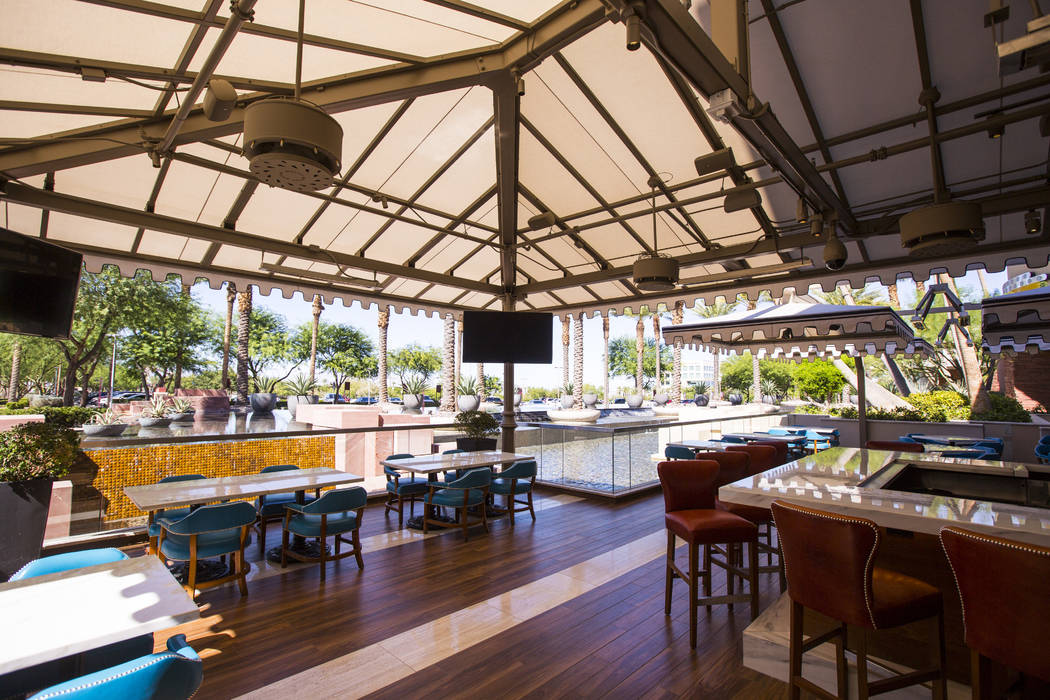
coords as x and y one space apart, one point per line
207 570
308 548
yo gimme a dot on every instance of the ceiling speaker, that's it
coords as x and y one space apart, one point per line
219 100
652 273
292 144
942 229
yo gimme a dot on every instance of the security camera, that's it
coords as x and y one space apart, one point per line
834 253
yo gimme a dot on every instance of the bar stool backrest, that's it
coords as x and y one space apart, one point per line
763 457
732 466
828 560
781 450
688 484
1004 587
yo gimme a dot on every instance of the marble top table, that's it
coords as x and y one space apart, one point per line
53 616
187 493
431 464
955 440
701 445
831 480
753 437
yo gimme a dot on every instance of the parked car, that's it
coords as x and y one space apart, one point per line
494 399
333 398
365 401
395 399
619 402
429 402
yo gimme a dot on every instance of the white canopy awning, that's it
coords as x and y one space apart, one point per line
1017 322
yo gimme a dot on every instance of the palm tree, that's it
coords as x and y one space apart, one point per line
756 372
565 349
639 348
577 357
448 365
317 308
656 334
231 296
968 359
719 308
677 316
481 382
605 358
383 322
891 292
16 369
459 350
244 310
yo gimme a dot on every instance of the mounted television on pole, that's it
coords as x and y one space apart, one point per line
520 337
38 286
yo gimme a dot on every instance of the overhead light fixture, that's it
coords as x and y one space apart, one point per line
721 159
996 130
834 253
544 219
381 199
653 272
519 82
219 100
740 198
816 226
320 276
801 211
634 31
942 229
1032 222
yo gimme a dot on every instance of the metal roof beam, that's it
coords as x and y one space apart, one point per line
506 105
481 13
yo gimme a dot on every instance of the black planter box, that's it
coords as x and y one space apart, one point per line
476 444
23 517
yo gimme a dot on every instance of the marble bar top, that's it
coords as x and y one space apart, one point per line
187 493
49 617
831 480
703 445
427 464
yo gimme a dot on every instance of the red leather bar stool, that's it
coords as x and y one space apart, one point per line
829 560
894 446
1004 587
690 513
763 457
781 451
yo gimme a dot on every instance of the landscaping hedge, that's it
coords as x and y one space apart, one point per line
61 416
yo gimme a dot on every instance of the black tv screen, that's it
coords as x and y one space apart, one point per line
522 337
38 286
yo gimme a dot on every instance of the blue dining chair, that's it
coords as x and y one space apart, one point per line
1042 452
518 479
29 679
1044 440
399 491
779 431
334 514
175 674
210 531
994 445
168 514
270 507
472 489
675 452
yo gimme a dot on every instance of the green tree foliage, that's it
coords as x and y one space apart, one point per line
342 350
414 361
779 373
622 358
737 375
40 357
269 346
493 386
819 380
1004 408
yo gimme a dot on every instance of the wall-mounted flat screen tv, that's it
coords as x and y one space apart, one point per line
38 286
522 337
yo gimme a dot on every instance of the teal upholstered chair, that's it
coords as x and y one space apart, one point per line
29 679
210 531
270 507
400 489
174 674
674 452
168 514
993 445
334 514
779 431
472 489
1044 440
516 480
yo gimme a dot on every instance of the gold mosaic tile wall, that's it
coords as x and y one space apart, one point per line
147 464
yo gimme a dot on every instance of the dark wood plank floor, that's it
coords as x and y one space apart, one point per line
612 641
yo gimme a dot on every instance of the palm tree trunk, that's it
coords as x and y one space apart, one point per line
448 366
968 360
656 334
891 365
383 322
577 356
565 350
716 379
481 382
459 351
639 349
244 311
231 296
176 382
677 316
891 292
756 379
16 368
920 291
605 359
317 308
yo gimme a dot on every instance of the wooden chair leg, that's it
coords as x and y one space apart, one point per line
940 686
795 652
324 557
668 573
191 578
862 663
978 681
400 511
461 516
485 514
730 578
752 551
780 567
511 505
694 554
284 548
707 573
412 507
242 570
357 549
841 667
532 511
262 536
426 515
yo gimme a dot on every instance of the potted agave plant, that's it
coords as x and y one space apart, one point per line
701 398
180 410
156 414
478 426
264 400
104 424
567 401
468 394
32 457
300 391
412 398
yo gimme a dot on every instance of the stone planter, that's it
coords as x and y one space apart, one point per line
184 417
517 400
661 398
635 400
263 402
702 400
412 403
154 422
735 399
23 518
589 400
567 402
96 430
39 401
468 403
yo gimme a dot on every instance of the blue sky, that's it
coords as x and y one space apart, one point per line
427 330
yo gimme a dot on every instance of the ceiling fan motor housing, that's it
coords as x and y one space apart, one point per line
655 274
942 229
292 144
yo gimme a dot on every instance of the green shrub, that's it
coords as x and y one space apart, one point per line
810 409
899 413
819 380
20 403
36 451
1004 408
940 406
61 416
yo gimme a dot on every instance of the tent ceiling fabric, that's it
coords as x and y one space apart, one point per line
800 330
1017 322
435 175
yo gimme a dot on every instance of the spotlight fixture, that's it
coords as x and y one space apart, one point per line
721 159
739 198
1032 222
834 253
543 220
801 211
519 83
816 226
381 199
634 32
996 131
